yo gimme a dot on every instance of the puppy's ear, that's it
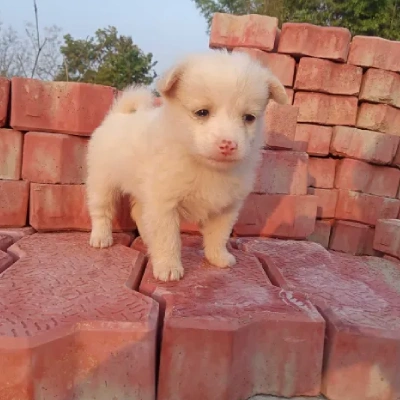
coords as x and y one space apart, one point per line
276 90
168 82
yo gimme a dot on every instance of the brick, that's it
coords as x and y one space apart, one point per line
17 233
317 75
322 232
325 109
313 139
94 324
387 237
351 238
5 242
315 41
280 125
363 177
380 86
229 31
54 158
63 207
365 208
5 261
11 154
63 107
379 117
290 95
217 310
282 172
359 298
374 147
284 216
396 159
327 200
392 259
4 100
281 65
321 172
375 52
14 197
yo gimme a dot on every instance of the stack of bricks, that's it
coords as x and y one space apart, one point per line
346 92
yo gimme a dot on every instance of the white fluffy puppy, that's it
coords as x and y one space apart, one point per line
194 157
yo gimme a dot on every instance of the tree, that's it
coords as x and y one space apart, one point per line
362 17
107 59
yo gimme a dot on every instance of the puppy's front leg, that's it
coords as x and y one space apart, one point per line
162 232
216 231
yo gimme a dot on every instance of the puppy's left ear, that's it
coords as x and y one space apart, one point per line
168 82
276 90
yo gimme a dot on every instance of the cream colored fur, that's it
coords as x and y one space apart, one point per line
168 158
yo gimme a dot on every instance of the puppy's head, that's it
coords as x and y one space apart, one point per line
218 101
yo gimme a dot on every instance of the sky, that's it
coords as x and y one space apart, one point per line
167 28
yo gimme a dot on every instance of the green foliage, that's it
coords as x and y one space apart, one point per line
107 59
362 17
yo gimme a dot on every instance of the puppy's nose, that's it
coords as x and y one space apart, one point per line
227 147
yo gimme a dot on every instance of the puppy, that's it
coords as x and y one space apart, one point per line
195 157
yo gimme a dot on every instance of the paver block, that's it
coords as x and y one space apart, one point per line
373 179
374 147
379 117
262 397
70 308
4 100
375 52
321 172
10 154
213 314
315 41
313 139
322 232
54 158
17 233
317 75
5 260
365 208
281 65
380 86
63 207
282 172
229 31
327 200
64 107
326 109
276 215
14 197
360 300
387 237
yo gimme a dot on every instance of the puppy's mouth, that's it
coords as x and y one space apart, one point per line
222 161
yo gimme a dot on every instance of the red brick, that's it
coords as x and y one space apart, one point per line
5 242
374 147
95 329
387 237
322 232
4 100
359 298
325 76
381 86
281 65
396 160
217 310
363 177
321 172
258 31
314 139
10 154
391 259
365 208
325 109
275 215
379 117
54 158
327 200
282 172
14 197
63 207
315 41
375 52
64 107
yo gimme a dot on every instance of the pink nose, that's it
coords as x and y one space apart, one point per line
227 147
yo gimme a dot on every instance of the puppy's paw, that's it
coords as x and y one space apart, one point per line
101 239
168 272
221 259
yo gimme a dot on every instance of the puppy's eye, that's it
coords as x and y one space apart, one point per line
202 113
248 118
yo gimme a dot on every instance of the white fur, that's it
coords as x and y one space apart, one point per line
168 158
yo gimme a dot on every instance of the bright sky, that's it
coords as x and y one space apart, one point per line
167 28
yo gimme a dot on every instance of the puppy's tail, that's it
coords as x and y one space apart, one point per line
132 99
